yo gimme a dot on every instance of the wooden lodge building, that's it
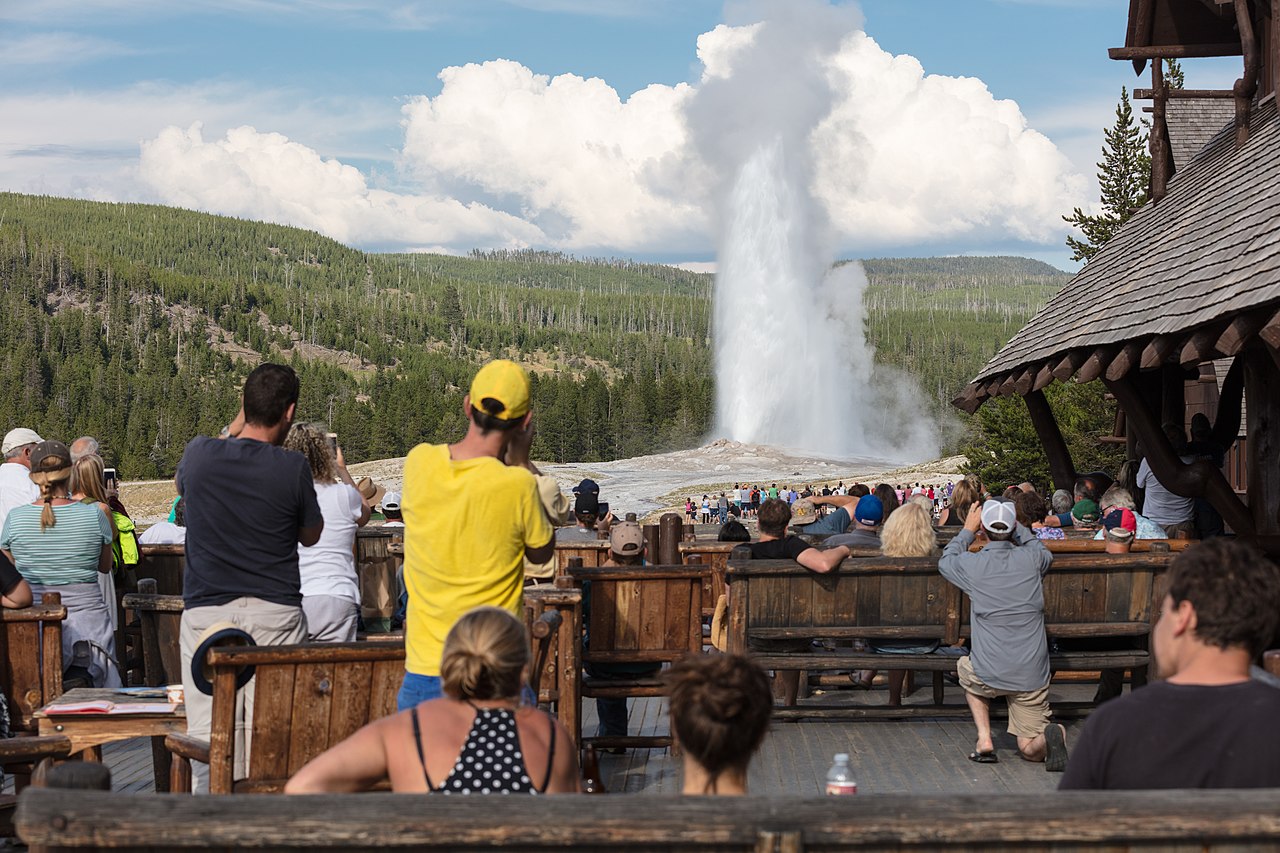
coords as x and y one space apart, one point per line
1180 311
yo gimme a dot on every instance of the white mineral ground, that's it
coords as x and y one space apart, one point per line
646 485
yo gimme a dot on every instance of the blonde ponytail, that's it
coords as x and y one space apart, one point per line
52 484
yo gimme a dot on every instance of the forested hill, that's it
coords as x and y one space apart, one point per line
138 323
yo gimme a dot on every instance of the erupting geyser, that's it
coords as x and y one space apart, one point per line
793 367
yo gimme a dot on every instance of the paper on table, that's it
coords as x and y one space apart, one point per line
102 706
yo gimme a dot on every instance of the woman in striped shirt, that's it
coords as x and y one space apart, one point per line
60 545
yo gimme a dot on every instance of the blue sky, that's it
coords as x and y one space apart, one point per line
354 133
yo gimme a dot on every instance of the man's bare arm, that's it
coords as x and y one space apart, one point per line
817 560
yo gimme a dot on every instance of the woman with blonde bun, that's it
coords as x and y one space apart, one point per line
477 739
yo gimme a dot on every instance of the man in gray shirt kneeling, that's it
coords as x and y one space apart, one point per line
1010 655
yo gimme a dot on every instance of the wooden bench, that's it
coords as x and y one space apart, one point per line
556 645
638 614
308 698
31 677
592 554
31 659
1218 821
1115 597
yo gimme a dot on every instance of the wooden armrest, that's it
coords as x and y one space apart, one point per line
188 747
17 750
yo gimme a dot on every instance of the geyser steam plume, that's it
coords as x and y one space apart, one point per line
792 364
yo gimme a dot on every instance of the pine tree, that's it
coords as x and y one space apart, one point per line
1123 176
1173 74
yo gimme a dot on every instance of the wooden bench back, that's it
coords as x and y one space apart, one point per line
165 564
1098 594
308 698
1058 821
888 597
872 598
557 651
31 659
643 613
160 620
592 555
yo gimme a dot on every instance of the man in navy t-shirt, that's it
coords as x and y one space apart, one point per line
249 504
1206 724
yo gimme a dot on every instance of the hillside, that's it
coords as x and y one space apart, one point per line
137 323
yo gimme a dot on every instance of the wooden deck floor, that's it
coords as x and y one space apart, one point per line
890 756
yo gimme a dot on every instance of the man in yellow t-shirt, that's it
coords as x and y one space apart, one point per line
470 521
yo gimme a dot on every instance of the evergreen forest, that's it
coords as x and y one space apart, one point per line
138 323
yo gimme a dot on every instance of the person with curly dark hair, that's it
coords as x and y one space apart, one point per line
1207 724
720 708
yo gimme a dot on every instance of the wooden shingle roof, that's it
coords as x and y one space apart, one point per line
1208 251
1193 123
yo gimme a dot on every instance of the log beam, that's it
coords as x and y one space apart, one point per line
1095 364
1022 385
1200 347
1226 421
1070 363
1060 464
1239 333
1129 357
1262 376
1158 350
1044 378
1174 51
1194 479
1270 331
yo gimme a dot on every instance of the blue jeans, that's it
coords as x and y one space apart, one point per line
417 689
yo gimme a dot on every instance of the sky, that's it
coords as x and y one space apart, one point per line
445 125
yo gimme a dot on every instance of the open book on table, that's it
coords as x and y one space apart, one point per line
103 706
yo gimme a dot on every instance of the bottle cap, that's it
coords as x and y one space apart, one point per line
842 756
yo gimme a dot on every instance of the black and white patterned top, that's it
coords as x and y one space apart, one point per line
491 761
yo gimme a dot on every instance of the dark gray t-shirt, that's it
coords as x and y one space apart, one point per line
1181 736
245 501
856 538
1003 581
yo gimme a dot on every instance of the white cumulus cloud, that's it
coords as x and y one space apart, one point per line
504 156
267 176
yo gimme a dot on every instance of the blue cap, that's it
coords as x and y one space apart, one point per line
587 486
869 510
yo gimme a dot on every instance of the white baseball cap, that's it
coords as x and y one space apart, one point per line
391 500
19 437
999 516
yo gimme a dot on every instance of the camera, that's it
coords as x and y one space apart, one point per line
109 477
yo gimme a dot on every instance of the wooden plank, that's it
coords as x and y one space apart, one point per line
603 613
273 708
27 681
626 627
1119 593
309 720
651 599
680 598
386 679
379 821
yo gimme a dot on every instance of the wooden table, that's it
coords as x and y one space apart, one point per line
88 732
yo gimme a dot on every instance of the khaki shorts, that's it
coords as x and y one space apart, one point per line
1028 712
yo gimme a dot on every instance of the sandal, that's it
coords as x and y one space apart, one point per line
988 757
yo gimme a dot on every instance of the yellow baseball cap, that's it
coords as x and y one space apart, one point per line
501 388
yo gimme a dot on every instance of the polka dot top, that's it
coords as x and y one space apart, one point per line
491 761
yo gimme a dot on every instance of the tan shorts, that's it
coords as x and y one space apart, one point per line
1028 712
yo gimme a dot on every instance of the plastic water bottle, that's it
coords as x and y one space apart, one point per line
840 777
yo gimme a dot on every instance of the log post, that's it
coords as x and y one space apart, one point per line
671 530
1195 479
1060 464
1261 378
652 540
